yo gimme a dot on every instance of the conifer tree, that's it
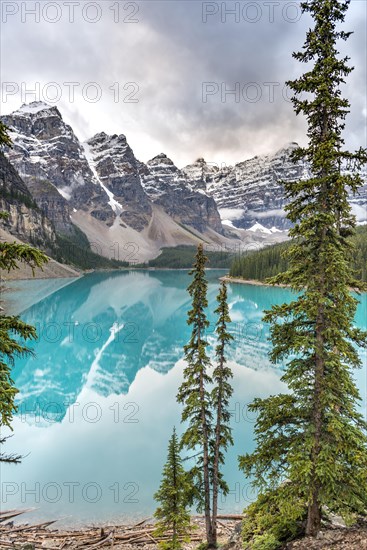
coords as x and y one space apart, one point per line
11 327
220 397
193 392
311 455
173 516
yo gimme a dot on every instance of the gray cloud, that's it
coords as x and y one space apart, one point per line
169 53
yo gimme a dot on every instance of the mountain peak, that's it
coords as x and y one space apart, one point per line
160 156
35 107
97 138
103 138
161 159
287 147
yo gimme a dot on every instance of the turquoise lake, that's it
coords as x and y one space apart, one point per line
97 402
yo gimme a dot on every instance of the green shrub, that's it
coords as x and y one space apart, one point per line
266 542
274 518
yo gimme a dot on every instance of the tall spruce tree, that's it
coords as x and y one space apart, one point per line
193 392
311 455
173 515
220 396
12 328
206 435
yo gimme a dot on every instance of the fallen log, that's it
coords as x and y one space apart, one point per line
140 523
128 535
223 525
14 513
86 539
6 543
152 538
30 527
100 543
236 517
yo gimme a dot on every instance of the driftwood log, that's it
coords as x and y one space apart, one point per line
39 536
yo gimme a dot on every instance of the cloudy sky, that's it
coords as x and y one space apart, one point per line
162 72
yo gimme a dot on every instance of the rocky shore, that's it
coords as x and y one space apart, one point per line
128 537
237 280
141 536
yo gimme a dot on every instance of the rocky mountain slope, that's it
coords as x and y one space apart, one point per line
53 270
25 220
101 187
251 192
116 170
167 186
50 160
129 210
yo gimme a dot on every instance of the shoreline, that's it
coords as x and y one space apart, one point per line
117 535
141 535
76 273
253 282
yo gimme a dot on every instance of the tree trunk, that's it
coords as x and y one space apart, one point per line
216 468
175 504
215 496
215 488
313 524
314 515
208 526
314 509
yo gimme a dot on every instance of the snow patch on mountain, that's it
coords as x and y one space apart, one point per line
258 227
65 192
114 204
252 192
229 215
228 223
170 188
34 107
103 178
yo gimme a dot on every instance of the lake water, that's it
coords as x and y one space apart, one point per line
97 402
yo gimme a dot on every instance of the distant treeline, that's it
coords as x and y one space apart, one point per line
181 257
261 264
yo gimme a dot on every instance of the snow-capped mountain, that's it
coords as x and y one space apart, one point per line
201 174
251 192
117 171
47 154
101 187
169 187
100 184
